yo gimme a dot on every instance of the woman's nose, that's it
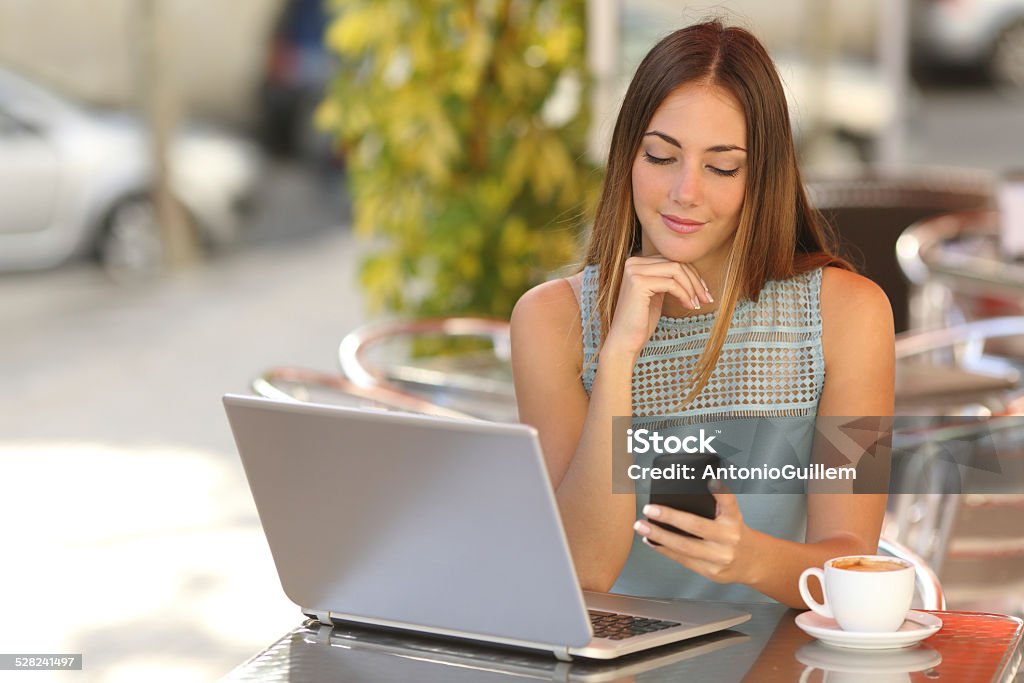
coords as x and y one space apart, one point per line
686 188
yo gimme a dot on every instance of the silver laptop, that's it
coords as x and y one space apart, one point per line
440 526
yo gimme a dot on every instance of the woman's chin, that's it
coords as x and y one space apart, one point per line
675 254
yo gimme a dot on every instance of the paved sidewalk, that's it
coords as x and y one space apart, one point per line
131 535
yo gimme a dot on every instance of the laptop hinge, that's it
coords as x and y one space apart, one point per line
322 616
562 654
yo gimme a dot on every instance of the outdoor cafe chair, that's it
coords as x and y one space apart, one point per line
871 208
962 403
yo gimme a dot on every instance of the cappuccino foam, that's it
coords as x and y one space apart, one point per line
868 564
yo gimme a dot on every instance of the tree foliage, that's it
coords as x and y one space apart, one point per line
464 124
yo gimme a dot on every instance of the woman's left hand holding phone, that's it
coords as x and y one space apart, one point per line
720 552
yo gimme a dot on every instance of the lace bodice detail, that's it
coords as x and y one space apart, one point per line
771 364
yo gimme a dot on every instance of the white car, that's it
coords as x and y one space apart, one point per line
970 33
76 181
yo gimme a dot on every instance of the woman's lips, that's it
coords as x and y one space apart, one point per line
681 225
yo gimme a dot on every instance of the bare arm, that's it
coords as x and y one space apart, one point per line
575 432
859 350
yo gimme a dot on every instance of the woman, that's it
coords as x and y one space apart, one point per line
706 264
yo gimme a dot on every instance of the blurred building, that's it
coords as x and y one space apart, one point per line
840 86
91 50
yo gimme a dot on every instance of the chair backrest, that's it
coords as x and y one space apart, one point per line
870 210
289 383
477 383
957 272
929 588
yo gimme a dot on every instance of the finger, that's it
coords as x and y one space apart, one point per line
684 545
728 504
691 284
708 569
667 285
696 282
647 259
685 275
680 519
657 260
703 283
701 557
660 537
684 290
705 566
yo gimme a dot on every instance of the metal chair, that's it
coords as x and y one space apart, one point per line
956 272
870 210
302 384
969 403
952 366
929 589
383 355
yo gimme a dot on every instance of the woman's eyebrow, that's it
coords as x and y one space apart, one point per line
672 141
667 138
725 148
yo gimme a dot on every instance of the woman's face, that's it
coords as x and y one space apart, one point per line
689 176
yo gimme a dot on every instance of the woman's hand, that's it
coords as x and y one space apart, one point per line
645 282
720 554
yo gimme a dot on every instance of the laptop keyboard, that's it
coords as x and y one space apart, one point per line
620 626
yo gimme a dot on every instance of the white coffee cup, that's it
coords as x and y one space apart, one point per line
863 593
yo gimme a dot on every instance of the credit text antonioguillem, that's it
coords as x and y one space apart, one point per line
647 441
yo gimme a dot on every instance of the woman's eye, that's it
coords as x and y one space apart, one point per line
729 173
656 160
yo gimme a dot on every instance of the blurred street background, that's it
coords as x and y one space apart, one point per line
130 535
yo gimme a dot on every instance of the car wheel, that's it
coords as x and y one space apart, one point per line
131 246
1007 63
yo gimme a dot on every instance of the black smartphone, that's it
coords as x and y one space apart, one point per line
688 495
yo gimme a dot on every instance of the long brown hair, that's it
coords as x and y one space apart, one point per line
779 234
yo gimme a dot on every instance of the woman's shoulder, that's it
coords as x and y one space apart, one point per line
552 304
855 312
546 325
850 296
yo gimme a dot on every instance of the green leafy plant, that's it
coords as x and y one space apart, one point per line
464 125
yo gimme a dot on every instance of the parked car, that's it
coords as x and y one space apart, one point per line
76 180
970 34
297 71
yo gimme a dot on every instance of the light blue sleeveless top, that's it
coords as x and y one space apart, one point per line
771 365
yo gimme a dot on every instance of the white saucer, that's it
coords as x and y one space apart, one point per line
917 627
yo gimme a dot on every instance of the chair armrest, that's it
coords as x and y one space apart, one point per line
928 585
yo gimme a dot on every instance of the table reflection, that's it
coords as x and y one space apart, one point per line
882 666
770 647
